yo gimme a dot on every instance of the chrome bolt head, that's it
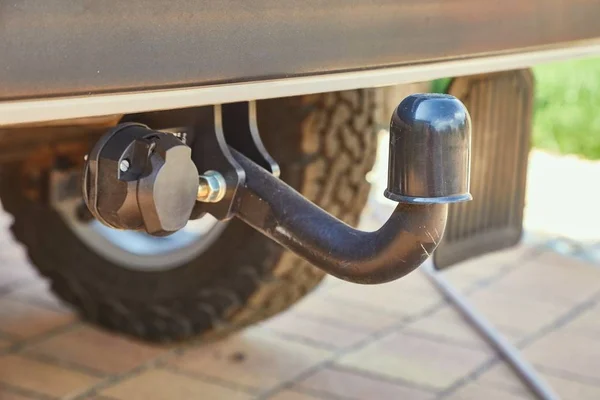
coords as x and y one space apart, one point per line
124 165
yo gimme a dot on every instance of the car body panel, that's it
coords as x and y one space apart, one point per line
64 49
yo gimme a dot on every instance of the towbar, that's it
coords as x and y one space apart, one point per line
428 168
429 164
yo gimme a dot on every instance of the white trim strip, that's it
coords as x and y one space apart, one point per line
52 109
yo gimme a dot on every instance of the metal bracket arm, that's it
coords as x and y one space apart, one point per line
275 209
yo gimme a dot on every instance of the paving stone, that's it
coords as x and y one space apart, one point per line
343 314
167 385
586 324
448 325
354 385
97 350
487 267
502 375
43 378
25 320
474 391
417 281
527 289
515 317
552 278
416 360
292 395
328 282
6 395
396 298
569 389
15 269
555 214
38 293
562 351
100 398
315 331
254 358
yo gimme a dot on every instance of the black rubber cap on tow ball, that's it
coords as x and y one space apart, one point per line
429 160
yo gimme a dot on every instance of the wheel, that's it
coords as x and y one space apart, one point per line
218 277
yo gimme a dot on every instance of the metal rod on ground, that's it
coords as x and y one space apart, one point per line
511 354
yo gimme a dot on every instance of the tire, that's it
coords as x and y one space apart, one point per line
325 145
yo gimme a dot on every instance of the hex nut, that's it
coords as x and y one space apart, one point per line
211 187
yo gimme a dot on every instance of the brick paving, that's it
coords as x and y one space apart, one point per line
401 340
397 341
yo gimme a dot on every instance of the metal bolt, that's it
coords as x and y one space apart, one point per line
124 165
211 187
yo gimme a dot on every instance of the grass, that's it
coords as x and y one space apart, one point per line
567 107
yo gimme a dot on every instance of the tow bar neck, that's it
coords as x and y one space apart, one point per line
137 178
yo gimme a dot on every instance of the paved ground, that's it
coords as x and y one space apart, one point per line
395 341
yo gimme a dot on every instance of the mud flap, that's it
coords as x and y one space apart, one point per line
501 110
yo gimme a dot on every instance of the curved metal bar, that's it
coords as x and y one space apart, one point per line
406 240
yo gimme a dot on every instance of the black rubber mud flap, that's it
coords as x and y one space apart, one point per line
501 106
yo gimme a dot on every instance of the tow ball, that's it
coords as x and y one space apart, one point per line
141 179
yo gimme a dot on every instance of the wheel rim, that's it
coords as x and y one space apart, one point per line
139 251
